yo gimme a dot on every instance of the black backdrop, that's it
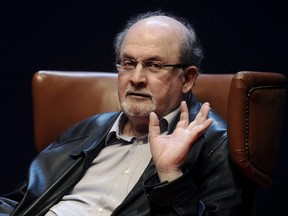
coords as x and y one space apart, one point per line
77 35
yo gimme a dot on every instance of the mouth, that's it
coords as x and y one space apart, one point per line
138 95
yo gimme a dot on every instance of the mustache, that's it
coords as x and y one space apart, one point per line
142 92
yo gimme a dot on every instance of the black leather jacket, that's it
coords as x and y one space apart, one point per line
208 186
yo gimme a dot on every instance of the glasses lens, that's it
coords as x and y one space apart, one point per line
127 64
153 66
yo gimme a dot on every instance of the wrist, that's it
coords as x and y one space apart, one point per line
169 175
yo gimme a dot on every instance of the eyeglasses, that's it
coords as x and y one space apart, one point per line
127 65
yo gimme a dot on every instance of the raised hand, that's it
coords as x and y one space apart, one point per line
170 151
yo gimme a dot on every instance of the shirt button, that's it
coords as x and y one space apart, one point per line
100 210
127 172
140 142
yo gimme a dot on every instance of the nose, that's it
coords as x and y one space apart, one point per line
138 76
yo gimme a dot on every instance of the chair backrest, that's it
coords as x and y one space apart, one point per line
252 103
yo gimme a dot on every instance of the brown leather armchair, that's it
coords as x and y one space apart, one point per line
252 103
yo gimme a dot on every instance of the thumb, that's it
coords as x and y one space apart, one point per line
154 129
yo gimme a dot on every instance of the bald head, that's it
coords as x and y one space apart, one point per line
162 22
156 31
180 31
160 26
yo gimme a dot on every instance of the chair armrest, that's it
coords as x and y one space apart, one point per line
255 112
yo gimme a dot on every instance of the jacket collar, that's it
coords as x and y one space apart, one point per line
92 142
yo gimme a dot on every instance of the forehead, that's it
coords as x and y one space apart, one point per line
156 36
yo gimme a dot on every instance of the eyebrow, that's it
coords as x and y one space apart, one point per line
152 58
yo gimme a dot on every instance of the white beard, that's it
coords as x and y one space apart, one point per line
134 109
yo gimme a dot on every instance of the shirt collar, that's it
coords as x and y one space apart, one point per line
114 136
170 118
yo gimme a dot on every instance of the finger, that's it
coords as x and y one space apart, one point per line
198 130
201 116
203 112
205 109
184 116
154 128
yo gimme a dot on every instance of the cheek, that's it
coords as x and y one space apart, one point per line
166 91
122 85
167 98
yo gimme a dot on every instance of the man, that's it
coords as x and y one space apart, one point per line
149 159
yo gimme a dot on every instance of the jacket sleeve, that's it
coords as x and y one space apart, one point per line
178 197
216 191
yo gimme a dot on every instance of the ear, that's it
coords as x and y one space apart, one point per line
190 75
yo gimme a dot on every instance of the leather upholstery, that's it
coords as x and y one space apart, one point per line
61 99
252 103
255 113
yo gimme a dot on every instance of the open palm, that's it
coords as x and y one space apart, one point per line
170 151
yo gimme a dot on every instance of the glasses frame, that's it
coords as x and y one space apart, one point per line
144 66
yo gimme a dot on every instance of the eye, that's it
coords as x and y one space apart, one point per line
154 65
128 64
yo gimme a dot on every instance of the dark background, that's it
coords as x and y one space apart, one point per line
78 35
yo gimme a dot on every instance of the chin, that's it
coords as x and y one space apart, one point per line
140 110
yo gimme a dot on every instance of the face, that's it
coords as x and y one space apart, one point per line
141 92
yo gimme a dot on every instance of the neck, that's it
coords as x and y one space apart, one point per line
136 126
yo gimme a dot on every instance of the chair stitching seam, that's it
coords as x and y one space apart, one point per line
247 110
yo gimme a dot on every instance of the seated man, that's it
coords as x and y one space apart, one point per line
161 155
